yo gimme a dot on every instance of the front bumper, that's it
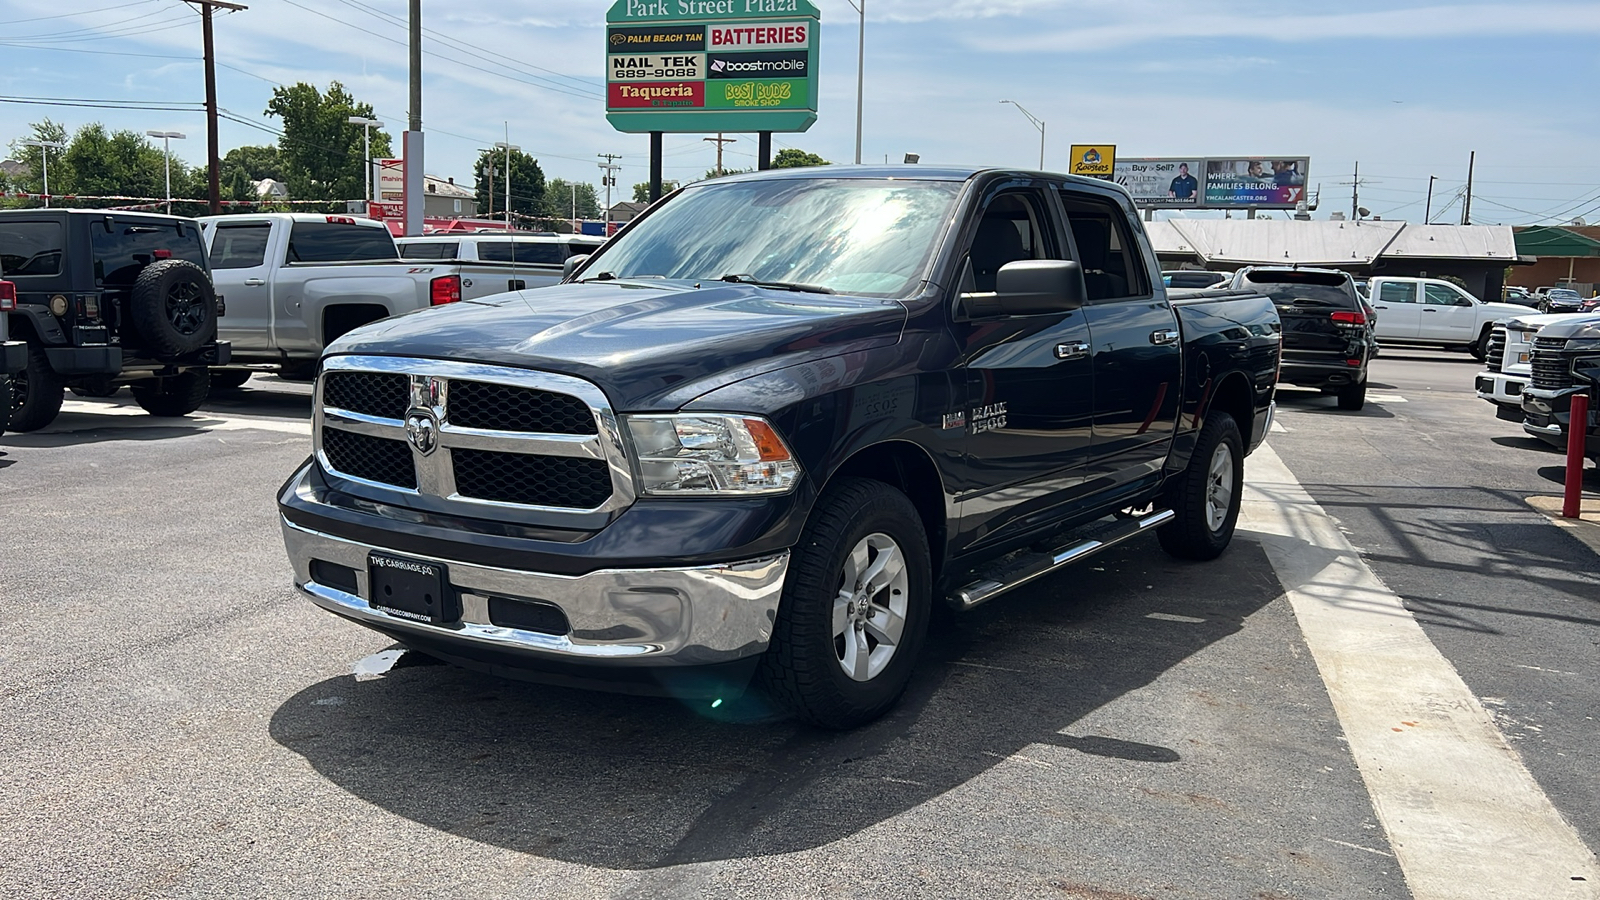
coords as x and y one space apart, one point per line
1547 415
1505 391
692 616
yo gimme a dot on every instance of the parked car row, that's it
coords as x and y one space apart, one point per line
1535 365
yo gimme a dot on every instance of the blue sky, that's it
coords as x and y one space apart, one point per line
1405 88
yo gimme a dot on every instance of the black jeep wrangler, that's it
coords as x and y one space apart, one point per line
105 299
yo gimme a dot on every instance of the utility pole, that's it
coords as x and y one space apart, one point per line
508 146
1466 210
719 140
414 197
610 168
861 67
1355 194
1427 209
213 159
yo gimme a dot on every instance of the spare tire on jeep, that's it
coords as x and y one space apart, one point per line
173 308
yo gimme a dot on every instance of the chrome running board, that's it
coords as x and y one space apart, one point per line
1018 569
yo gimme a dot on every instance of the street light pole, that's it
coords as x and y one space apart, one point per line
366 147
44 156
166 150
861 67
1037 123
508 147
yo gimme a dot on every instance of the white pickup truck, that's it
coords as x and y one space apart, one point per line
526 260
295 282
1431 312
1509 366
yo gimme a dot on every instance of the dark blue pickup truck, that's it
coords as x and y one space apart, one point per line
770 426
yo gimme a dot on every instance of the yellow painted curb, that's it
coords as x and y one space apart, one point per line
1586 528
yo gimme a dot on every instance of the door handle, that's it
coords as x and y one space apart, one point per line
1426 309
1164 336
254 282
1380 307
1075 350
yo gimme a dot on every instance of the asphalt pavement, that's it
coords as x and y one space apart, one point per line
176 722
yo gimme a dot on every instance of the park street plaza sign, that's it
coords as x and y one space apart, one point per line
700 66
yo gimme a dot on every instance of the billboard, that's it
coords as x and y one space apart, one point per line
711 65
1092 160
1265 182
1162 182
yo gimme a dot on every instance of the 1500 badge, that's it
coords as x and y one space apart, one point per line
988 418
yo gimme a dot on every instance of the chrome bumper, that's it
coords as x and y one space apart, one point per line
1548 431
696 616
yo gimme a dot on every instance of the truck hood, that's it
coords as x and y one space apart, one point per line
1535 322
1580 327
650 345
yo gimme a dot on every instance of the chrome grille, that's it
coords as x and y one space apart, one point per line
1495 350
371 458
369 393
471 439
504 407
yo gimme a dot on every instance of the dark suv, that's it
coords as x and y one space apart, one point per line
1327 329
106 299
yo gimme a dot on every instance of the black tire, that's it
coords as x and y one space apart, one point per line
1480 347
298 371
174 395
5 402
803 668
173 308
1195 533
229 379
1353 397
36 393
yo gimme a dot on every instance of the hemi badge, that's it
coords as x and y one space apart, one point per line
955 420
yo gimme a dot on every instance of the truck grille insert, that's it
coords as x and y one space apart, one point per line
1495 350
563 481
369 393
371 458
1550 370
505 407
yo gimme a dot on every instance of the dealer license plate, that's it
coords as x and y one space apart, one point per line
411 589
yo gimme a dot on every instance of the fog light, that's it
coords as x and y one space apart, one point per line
58 305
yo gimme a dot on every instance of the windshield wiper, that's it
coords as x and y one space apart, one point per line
778 285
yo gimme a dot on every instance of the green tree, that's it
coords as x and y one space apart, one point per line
320 152
256 163
240 187
713 173
527 183
792 158
559 199
641 191
31 180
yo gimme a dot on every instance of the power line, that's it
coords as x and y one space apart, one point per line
87 12
104 104
103 52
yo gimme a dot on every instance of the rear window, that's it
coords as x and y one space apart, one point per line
1313 288
316 242
239 246
126 247
513 251
429 250
1194 279
30 248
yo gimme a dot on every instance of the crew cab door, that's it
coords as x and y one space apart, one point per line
1447 314
242 271
1029 412
1137 348
1399 313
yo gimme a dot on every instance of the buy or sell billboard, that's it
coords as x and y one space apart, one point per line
711 65
1188 182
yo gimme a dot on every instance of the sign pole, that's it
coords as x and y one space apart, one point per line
764 151
655 166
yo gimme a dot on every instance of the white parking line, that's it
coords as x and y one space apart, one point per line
1464 816
1387 398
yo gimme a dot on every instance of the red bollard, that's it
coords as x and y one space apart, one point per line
1577 434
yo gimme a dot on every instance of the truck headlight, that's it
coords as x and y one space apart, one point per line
703 455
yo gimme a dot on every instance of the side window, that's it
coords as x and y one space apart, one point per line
496 251
1112 266
1443 295
428 250
239 246
30 248
1012 228
1397 292
547 254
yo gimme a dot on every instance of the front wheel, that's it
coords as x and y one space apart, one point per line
855 608
174 395
1206 496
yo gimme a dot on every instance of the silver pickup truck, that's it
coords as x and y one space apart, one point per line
526 260
295 282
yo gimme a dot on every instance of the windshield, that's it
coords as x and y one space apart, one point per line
855 236
1564 294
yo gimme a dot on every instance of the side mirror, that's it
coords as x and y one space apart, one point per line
1031 287
572 264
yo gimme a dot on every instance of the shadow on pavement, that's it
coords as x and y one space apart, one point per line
633 783
1524 443
1316 403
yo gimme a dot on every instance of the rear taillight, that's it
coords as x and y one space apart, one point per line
445 289
8 296
1350 318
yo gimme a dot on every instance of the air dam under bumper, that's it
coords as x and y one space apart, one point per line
619 618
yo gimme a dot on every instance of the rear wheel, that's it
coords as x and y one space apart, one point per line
1353 397
36 393
174 395
855 608
229 379
1206 496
